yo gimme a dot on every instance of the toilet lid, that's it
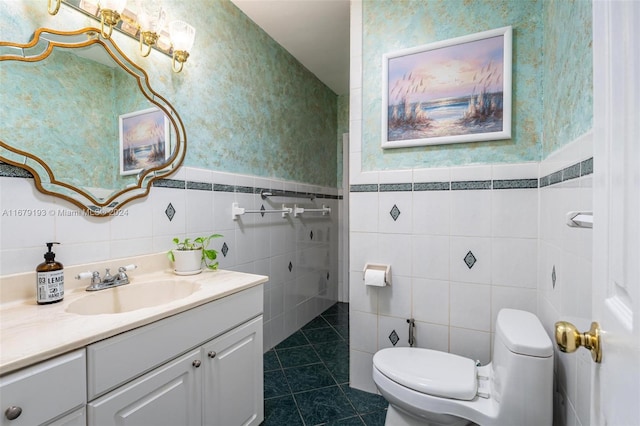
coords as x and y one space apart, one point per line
432 372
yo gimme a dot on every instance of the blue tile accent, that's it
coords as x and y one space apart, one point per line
200 186
470 185
244 189
555 177
571 172
223 188
395 187
225 249
515 184
393 337
395 212
432 186
170 212
9 170
169 183
470 259
586 167
364 188
544 181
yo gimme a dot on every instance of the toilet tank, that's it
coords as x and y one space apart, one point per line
522 369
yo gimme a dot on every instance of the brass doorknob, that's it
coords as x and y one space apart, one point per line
569 339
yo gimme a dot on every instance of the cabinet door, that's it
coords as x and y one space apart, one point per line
44 391
169 395
233 393
76 418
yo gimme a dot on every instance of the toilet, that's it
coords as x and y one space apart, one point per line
427 387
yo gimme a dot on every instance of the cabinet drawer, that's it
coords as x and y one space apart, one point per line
117 360
46 390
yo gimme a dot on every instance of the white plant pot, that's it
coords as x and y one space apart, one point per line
187 262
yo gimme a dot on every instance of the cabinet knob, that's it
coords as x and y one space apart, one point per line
212 354
196 363
13 412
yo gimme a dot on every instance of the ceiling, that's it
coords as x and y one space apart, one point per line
315 32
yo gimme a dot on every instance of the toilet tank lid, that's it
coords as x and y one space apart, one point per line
522 333
427 371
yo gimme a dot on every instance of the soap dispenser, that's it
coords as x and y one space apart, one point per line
50 279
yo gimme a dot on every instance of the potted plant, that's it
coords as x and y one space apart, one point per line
189 255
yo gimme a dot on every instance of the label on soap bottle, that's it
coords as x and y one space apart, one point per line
50 286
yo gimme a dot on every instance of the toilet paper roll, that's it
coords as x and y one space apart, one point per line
374 277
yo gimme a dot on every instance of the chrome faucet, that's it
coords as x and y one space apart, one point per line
109 280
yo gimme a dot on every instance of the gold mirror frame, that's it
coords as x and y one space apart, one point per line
39 48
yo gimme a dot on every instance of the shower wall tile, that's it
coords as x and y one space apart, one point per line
395 299
471 344
514 262
431 212
514 213
430 301
470 306
471 213
251 243
432 336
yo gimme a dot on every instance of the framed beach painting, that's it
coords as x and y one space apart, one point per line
451 91
144 140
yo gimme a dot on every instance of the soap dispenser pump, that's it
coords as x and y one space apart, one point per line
50 279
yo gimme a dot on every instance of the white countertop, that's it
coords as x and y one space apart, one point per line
31 333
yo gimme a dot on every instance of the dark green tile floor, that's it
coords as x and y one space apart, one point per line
306 378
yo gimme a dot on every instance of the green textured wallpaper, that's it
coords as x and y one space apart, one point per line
394 25
568 72
552 74
247 105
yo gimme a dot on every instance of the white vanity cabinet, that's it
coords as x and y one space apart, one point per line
233 377
46 393
199 367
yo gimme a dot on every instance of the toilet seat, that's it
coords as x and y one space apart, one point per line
430 372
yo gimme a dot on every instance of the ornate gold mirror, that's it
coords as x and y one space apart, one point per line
84 121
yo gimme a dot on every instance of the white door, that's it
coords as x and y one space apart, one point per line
616 257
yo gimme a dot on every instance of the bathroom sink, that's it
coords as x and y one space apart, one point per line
131 297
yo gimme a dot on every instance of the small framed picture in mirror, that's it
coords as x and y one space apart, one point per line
144 140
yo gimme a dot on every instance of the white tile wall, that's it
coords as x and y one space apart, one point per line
261 245
517 236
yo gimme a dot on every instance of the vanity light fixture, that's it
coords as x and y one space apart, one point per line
182 38
147 26
110 11
53 6
151 20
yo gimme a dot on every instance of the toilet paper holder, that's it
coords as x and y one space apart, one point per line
378 267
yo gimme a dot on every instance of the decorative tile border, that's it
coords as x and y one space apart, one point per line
170 183
470 185
574 171
9 170
432 186
200 186
395 187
